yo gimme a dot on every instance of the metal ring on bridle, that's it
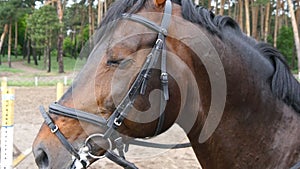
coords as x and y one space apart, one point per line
97 135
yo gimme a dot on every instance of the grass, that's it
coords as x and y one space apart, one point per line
13 58
32 83
5 68
70 65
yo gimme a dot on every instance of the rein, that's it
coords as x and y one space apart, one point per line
82 155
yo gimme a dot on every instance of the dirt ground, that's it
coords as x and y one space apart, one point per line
28 121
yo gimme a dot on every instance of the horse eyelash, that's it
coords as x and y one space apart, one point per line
114 62
122 63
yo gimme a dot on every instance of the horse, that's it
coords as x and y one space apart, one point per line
154 63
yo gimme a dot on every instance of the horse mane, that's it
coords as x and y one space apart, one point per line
283 84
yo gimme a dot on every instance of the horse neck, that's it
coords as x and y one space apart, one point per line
256 130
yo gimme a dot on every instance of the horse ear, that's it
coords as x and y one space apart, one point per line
159 2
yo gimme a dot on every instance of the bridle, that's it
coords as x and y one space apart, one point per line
82 155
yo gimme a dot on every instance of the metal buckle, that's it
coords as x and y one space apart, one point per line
118 124
158 44
55 129
101 136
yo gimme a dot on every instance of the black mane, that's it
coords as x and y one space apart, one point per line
283 84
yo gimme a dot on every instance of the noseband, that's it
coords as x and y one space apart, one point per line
116 119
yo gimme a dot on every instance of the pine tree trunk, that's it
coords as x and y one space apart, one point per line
298 17
81 30
241 6
254 20
209 4
276 23
90 14
296 33
100 12
16 40
267 17
230 11
45 58
221 12
105 6
28 44
5 30
34 54
90 10
247 13
93 21
48 54
60 40
262 21
235 14
9 45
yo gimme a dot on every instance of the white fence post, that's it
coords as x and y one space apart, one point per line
65 80
36 81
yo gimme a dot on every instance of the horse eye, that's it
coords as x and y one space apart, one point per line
113 62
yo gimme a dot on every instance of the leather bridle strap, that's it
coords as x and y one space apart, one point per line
120 113
158 145
118 160
296 166
57 109
55 130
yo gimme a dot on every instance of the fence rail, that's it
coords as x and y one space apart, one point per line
40 80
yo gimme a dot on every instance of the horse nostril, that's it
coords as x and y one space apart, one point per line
41 159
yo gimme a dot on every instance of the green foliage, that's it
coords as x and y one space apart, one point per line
285 42
43 25
261 2
11 10
86 33
68 46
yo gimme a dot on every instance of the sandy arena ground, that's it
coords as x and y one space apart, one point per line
28 121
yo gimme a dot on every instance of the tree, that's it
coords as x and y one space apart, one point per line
295 30
222 3
298 16
276 26
247 14
267 18
5 30
262 19
100 12
43 27
10 12
60 40
285 37
91 21
241 11
255 8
